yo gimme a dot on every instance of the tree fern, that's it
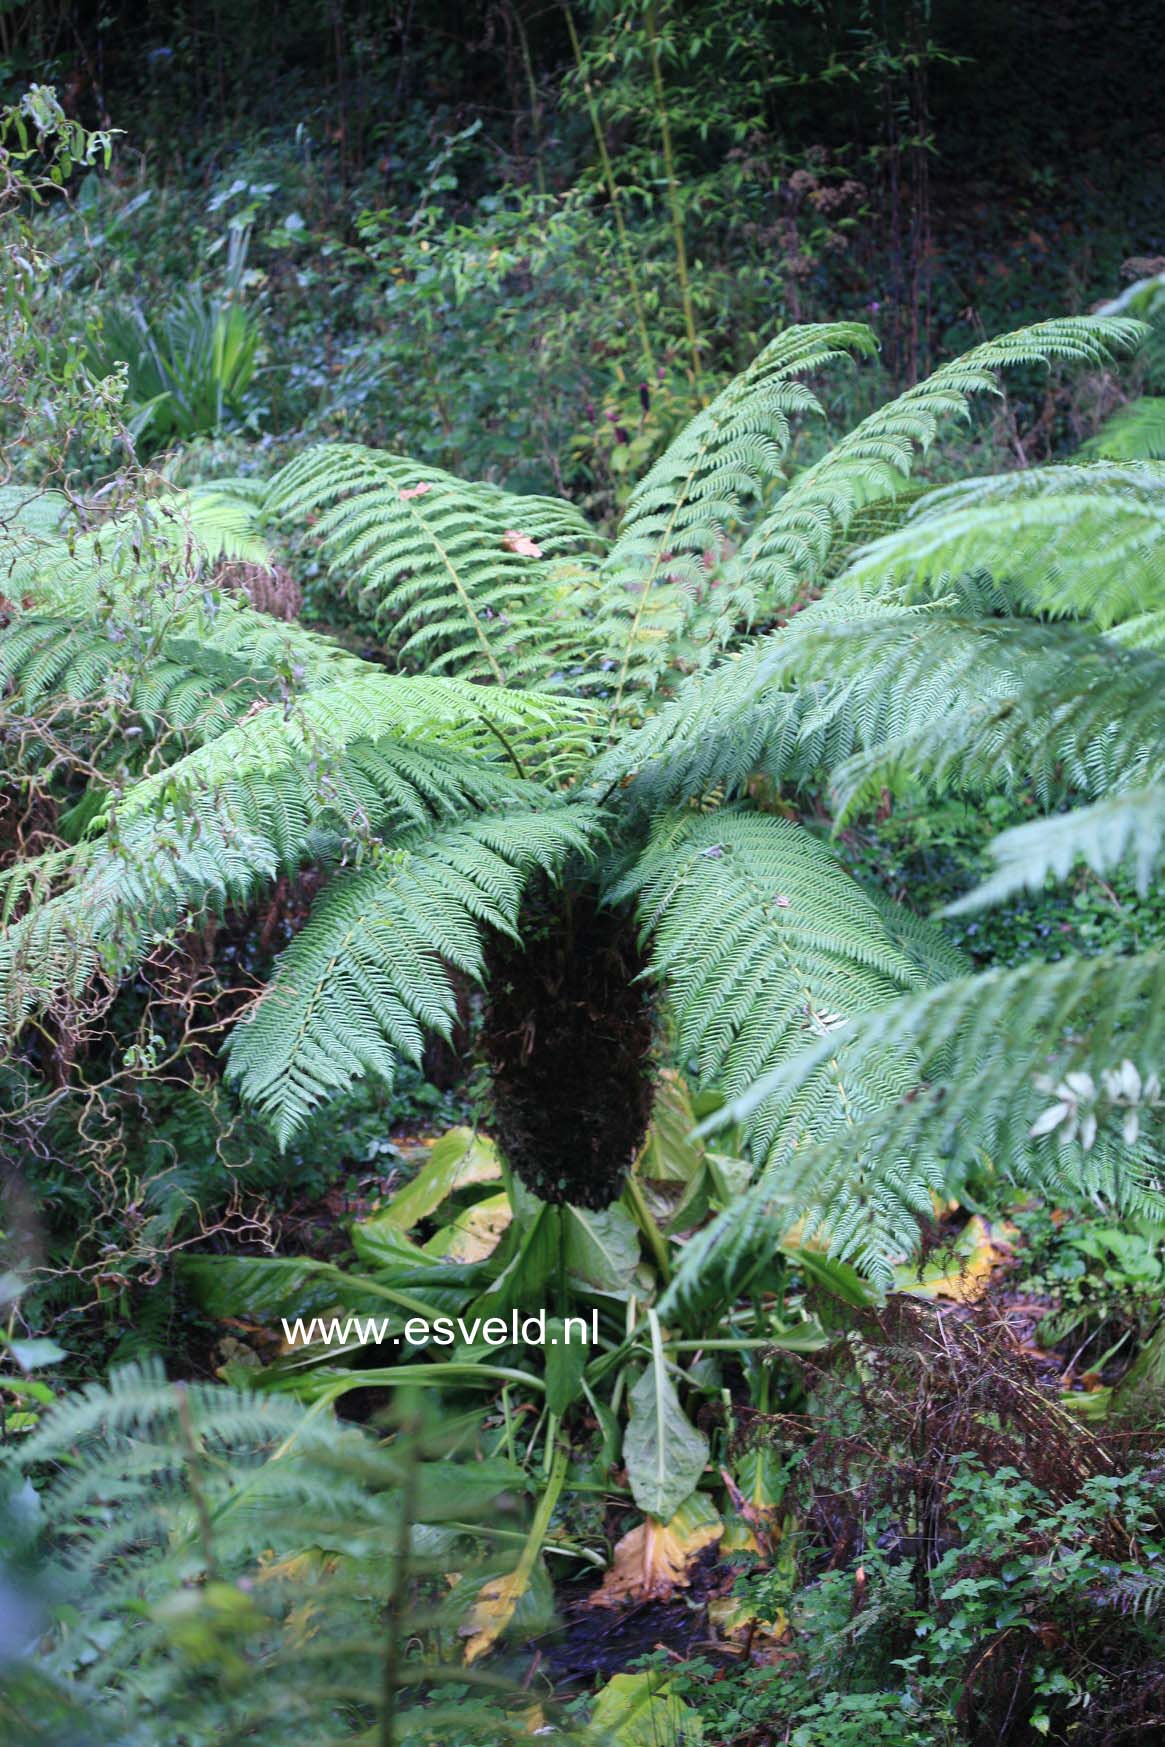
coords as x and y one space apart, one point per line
430 799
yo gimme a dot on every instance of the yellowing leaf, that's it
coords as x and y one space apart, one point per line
733 1619
965 1273
493 1610
655 1559
641 1710
475 1232
669 1154
754 1492
459 1158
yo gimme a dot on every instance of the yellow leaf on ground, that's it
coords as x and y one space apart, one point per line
733 1620
459 1158
475 1233
493 1610
964 1273
655 1559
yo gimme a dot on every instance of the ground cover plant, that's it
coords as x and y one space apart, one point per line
652 831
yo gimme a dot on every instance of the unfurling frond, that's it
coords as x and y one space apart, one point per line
367 975
1045 1075
464 578
789 551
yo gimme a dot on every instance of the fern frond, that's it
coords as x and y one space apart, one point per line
366 976
988 705
789 550
763 942
1135 433
1119 829
951 701
171 853
699 491
209 1555
1087 542
317 727
442 563
1019 1071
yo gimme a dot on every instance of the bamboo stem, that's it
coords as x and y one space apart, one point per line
673 201
612 195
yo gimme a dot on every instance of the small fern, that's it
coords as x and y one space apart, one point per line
207 1554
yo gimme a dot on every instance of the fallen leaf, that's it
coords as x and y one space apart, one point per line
655 1559
461 1157
513 541
966 1271
492 1612
475 1233
415 490
734 1621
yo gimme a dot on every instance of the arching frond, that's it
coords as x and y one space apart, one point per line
764 942
789 550
898 690
1120 829
366 976
700 490
121 899
466 579
1135 433
1022 1072
175 846
1087 542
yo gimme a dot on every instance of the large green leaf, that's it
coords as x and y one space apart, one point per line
602 1247
664 1453
642 1710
